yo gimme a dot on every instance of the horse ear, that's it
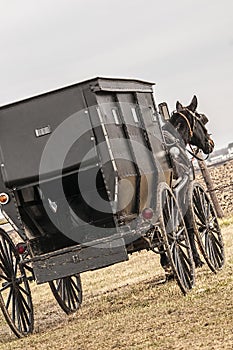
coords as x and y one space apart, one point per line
193 105
179 106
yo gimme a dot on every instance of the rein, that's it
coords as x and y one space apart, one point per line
194 153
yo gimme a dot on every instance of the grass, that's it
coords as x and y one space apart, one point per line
2 221
226 221
127 306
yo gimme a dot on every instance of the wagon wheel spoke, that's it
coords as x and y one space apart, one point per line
208 211
73 297
199 213
203 233
8 252
71 302
5 258
184 245
15 296
199 206
6 286
19 324
24 302
181 269
206 228
180 231
23 314
9 298
185 265
63 291
203 204
27 293
217 243
3 277
4 270
59 284
175 238
210 251
218 258
68 293
171 238
215 252
187 259
172 218
76 286
199 223
13 307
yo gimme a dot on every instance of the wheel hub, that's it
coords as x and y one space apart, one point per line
211 226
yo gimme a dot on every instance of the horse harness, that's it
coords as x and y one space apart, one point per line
188 123
193 152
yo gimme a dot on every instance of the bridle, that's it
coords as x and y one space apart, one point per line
188 123
191 129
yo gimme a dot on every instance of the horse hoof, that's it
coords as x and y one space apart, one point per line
169 277
198 263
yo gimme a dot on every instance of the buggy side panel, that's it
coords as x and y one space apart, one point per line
26 127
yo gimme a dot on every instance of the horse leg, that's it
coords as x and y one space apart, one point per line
196 257
164 262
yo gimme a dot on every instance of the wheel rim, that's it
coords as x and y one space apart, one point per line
207 230
15 296
176 239
68 292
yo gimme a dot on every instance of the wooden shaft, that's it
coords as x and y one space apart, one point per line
210 186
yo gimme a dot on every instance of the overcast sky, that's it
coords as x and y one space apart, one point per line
185 46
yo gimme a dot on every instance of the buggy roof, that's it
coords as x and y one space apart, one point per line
98 84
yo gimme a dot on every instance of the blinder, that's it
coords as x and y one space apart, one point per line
203 118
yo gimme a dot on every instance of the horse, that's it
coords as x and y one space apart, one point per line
185 127
191 126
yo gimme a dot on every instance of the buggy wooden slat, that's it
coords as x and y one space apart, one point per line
68 262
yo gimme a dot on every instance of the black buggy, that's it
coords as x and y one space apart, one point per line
87 178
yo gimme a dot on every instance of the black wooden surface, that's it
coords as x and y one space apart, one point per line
79 260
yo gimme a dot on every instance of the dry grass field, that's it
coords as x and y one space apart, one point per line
127 306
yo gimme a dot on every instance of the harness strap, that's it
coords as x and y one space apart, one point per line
188 123
195 154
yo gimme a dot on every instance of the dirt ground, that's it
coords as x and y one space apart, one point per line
127 306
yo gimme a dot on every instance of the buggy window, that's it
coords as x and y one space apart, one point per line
116 116
134 113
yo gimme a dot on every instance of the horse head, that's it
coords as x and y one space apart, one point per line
191 126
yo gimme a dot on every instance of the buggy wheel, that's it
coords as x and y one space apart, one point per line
68 293
206 227
175 237
15 295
